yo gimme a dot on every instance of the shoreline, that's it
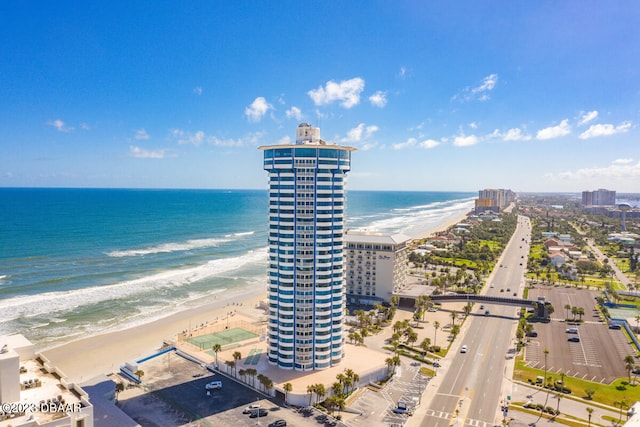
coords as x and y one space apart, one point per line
104 353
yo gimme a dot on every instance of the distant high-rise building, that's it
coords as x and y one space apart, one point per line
493 199
307 201
600 197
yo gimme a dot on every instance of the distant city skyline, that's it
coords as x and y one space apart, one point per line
435 96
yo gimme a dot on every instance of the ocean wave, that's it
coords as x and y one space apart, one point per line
420 218
171 247
51 303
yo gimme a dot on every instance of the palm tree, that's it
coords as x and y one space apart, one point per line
311 388
425 344
287 387
567 307
216 348
621 404
389 363
628 360
119 388
436 326
337 388
230 364
589 411
139 373
252 373
453 317
320 392
236 356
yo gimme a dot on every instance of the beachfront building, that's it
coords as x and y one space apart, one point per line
493 200
600 197
377 266
43 395
306 263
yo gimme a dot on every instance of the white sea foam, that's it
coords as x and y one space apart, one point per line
55 302
419 218
172 247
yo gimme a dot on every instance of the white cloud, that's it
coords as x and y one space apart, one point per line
465 141
347 92
587 117
197 90
411 142
285 140
60 126
199 137
141 134
555 131
489 83
429 143
402 73
478 93
378 99
294 112
257 109
619 171
595 131
515 134
184 137
85 126
141 153
359 133
622 161
473 125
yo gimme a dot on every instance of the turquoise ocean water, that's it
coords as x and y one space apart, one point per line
75 262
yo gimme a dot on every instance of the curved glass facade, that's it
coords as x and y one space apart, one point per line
307 200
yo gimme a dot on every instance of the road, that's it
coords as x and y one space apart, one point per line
471 390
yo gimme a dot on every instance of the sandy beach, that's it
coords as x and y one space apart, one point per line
105 353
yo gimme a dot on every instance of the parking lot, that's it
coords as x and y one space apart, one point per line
176 395
600 351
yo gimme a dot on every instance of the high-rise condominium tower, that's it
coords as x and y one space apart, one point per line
306 232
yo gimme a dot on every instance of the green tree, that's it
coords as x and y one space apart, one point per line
436 326
216 348
119 388
589 411
287 387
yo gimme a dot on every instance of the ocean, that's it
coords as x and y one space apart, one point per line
76 262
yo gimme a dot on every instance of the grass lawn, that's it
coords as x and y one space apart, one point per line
607 394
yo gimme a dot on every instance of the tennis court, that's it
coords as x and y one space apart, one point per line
224 337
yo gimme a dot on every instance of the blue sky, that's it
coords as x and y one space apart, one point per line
437 95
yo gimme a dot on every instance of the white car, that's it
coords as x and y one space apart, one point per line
213 385
463 349
249 409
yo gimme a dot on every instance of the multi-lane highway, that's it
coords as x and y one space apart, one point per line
470 393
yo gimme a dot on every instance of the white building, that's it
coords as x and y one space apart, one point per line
377 266
307 201
34 393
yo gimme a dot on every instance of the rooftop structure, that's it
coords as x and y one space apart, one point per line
307 201
38 393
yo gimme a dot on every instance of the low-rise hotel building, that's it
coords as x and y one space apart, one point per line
377 266
34 393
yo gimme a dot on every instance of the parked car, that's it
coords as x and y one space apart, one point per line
213 385
572 331
574 339
260 412
249 409
278 423
463 349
